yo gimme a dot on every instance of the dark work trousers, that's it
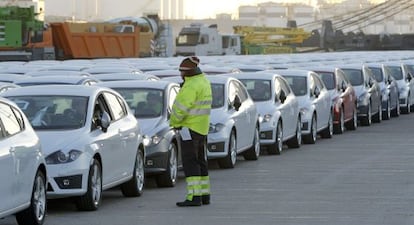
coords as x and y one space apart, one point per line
194 155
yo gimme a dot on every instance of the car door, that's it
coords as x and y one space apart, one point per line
374 90
124 137
7 173
320 98
347 94
20 156
239 116
289 116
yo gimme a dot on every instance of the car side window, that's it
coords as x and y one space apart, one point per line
241 91
172 96
9 120
115 106
284 86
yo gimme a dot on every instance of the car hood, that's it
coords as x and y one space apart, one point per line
149 125
218 116
359 90
264 107
54 140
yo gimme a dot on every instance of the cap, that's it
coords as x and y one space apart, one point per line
189 63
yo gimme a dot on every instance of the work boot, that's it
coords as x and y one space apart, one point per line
205 199
195 202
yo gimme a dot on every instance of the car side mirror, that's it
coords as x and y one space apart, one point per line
282 96
343 86
409 76
316 92
237 103
105 121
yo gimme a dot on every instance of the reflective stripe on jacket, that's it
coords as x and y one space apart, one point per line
192 105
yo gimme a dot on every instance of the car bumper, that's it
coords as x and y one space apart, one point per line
156 159
217 146
69 179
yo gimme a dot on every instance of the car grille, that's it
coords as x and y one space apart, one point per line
305 126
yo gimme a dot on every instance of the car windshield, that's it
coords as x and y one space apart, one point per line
54 112
259 90
396 72
328 79
217 91
354 76
145 102
377 72
298 84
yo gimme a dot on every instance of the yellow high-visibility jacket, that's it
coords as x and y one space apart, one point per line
192 105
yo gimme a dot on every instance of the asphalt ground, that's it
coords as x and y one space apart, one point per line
362 177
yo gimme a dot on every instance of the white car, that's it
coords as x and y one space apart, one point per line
234 122
152 103
91 139
314 102
22 168
280 119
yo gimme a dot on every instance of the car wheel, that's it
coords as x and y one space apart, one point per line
135 186
36 212
169 177
328 131
92 198
311 137
276 148
340 127
254 152
367 120
353 123
387 114
296 141
230 160
378 115
397 110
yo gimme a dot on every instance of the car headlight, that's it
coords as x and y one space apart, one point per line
403 89
265 118
154 140
214 128
60 157
362 99
304 111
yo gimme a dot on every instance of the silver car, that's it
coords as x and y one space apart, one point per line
91 139
151 102
280 120
402 73
234 122
22 168
314 102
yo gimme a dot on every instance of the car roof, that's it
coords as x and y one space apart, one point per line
293 72
136 84
260 75
123 76
54 79
75 90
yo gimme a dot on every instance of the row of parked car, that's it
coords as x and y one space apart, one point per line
64 138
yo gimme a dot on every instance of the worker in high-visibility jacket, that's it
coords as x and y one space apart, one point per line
191 116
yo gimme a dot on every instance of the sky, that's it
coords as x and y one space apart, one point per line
201 9
193 9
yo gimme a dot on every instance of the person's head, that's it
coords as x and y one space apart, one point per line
189 66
